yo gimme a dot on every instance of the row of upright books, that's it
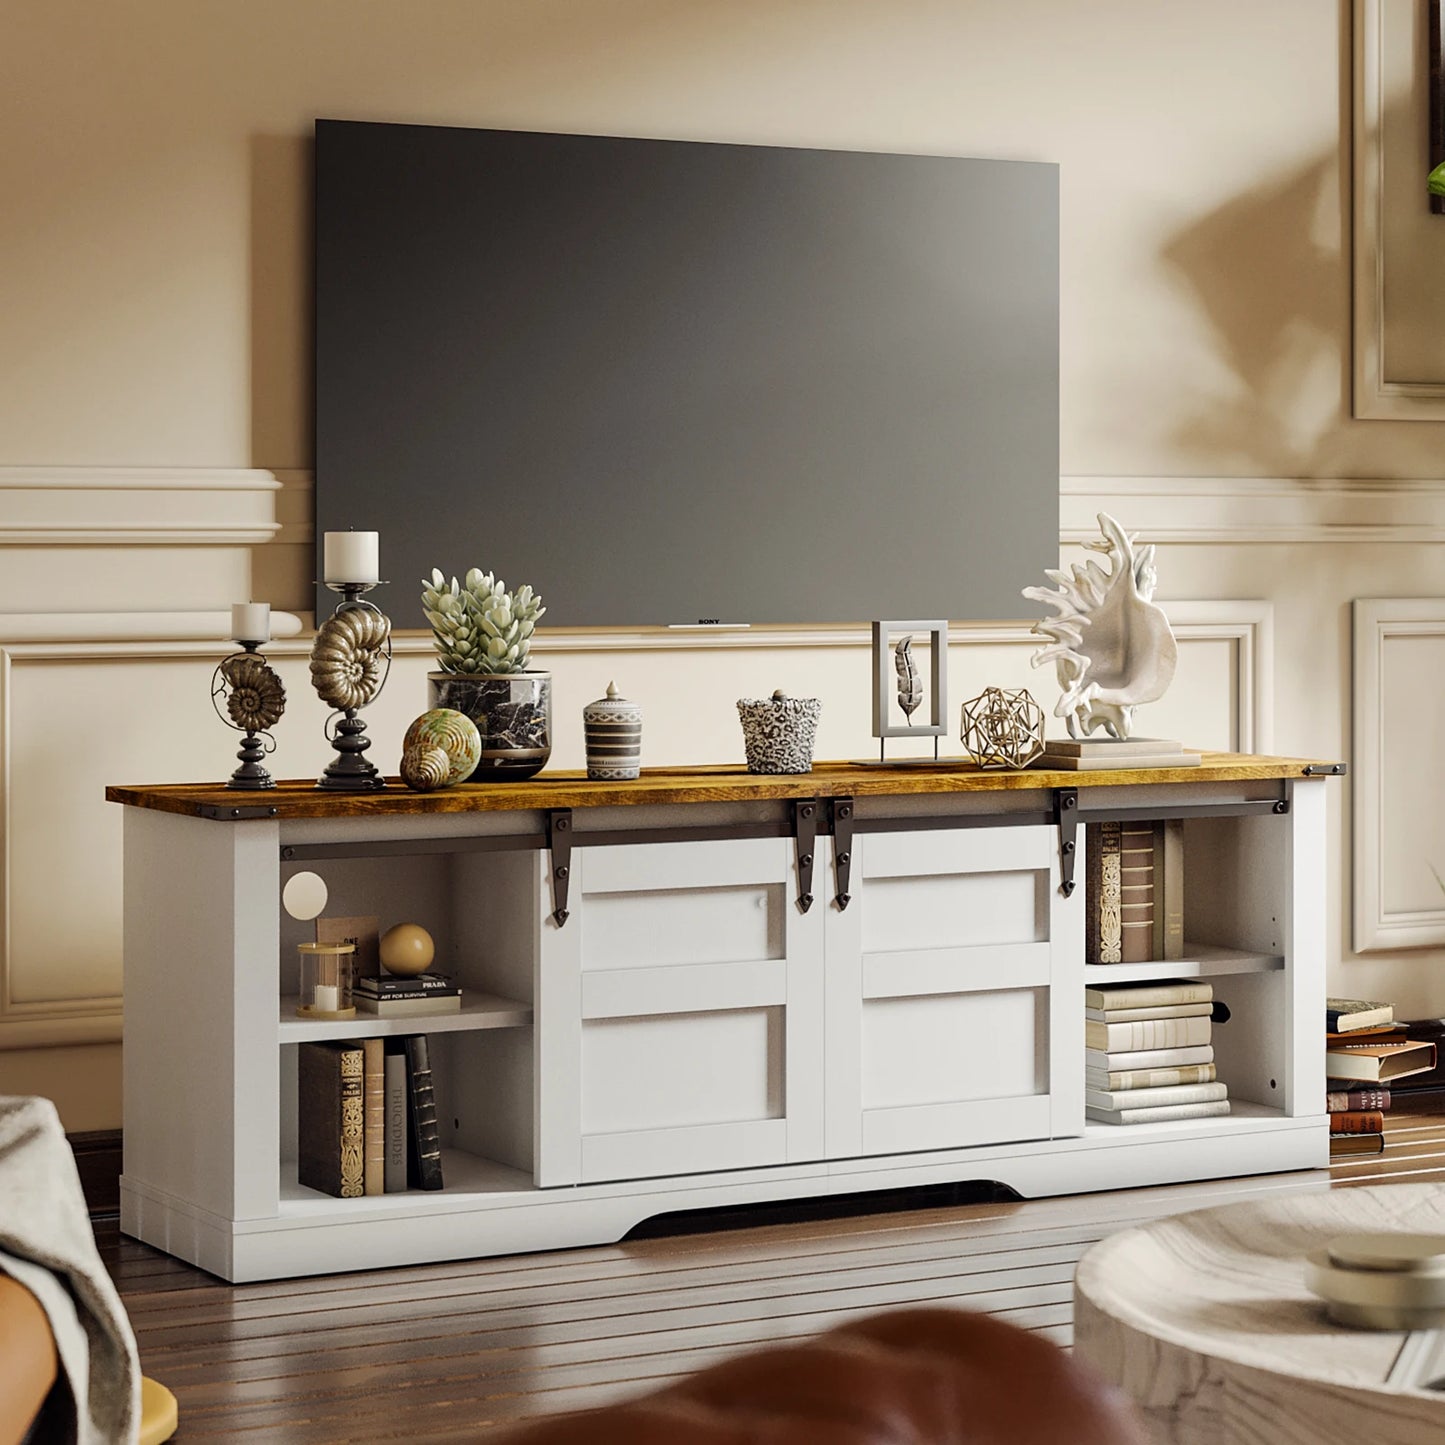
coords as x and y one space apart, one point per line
1365 1048
1149 1054
1134 892
366 1116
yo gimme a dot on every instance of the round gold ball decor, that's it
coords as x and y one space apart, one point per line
407 950
1003 729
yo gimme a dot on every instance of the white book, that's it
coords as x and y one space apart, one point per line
1149 1011
1158 1116
1154 1098
1149 1078
1105 1063
1147 1034
1139 995
1132 760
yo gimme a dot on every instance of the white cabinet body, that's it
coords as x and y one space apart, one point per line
691 1036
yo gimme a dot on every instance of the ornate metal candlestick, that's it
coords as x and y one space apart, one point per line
254 701
350 661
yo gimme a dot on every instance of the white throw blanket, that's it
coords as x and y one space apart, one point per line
47 1245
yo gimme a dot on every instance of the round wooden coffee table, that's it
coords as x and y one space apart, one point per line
1205 1320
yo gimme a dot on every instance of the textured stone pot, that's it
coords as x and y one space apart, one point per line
513 714
778 732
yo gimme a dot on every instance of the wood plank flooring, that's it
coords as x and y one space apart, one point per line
443 1352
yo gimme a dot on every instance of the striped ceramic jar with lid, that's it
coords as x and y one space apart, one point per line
613 726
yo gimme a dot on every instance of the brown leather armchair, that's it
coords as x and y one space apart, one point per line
907 1377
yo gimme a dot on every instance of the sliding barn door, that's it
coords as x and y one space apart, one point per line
954 994
680 1014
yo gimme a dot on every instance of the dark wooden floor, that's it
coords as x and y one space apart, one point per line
445 1351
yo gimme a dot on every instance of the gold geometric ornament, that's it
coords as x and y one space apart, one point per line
1003 729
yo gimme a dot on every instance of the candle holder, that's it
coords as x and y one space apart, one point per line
350 662
254 700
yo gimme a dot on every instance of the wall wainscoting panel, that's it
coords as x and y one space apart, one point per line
1399 827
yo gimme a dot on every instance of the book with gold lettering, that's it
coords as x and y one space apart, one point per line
331 1119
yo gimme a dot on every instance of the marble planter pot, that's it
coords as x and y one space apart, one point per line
513 714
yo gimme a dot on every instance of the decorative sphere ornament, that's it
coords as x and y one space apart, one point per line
407 950
454 733
1003 729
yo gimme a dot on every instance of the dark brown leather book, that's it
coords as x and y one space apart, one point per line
424 1158
330 1124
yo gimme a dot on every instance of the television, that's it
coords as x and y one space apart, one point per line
685 383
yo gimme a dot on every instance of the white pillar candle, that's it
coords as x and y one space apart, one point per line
251 621
351 557
328 998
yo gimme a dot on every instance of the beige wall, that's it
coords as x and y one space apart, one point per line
153 262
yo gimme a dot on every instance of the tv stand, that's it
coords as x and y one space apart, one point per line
700 989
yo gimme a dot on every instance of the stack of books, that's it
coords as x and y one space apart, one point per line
1364 1049
425 993
1148 1055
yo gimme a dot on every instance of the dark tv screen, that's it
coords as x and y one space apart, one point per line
673 381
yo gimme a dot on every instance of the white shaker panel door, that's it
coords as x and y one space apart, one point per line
694 998
954 994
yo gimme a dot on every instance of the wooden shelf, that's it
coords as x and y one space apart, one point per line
465 1174
1201 961
478 1011
1243 1114
706 784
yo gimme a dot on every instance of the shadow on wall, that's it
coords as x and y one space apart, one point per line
1280 316
1280 310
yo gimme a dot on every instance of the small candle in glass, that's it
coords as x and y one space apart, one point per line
326 980
351 557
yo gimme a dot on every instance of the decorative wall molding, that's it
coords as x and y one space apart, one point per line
116 632
1375 395
137 506
1264 510
1249 625
41 1022
1379 624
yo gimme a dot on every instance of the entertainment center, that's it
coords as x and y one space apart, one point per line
700 989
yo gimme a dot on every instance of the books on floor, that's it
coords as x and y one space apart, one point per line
1149 1054
1344 1015
1379 1063
366 1116
1344 1145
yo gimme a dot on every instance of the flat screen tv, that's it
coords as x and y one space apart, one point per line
670 382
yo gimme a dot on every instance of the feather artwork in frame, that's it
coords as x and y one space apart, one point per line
910 685
899 678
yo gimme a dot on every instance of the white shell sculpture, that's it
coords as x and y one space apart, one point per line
348 658
1111 644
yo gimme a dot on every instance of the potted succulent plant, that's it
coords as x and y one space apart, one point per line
483 636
